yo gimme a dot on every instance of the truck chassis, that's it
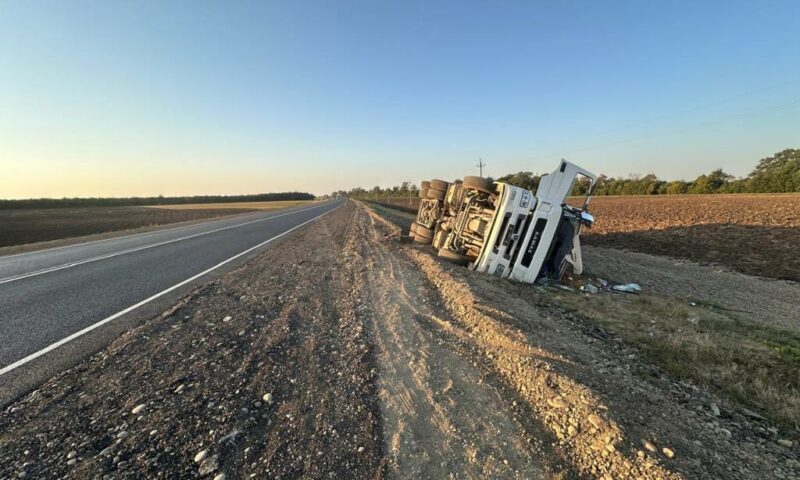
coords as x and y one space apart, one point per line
505 230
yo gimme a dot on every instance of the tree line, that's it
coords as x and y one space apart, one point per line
404 190
779 173
146 201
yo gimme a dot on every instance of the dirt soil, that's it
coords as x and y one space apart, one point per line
26 226
752 234
344 351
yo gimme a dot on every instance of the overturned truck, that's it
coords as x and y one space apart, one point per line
505 230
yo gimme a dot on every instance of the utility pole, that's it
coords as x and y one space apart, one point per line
481 165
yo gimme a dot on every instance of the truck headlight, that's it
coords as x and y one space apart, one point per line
525 199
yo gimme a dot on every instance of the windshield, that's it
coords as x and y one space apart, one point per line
582 187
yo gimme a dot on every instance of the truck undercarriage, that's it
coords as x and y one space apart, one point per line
505 230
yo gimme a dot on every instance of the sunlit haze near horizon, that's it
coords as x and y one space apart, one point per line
181 98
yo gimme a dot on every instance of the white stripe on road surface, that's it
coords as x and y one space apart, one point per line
137 249
133 307
167 227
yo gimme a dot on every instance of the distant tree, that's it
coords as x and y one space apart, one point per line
581 187
525 180
711 183
777 173
676 187
718 179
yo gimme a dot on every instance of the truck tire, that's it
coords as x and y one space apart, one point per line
423 188
423 235
453 257
437 194
439 185
478 183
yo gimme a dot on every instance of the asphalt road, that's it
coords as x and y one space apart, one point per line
58 305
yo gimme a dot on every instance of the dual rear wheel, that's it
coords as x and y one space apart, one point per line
412 231
422 234
479 183
423 189
454 257
437 189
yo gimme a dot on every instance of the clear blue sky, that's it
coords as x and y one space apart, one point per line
156 97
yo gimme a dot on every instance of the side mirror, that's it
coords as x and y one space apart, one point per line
587 218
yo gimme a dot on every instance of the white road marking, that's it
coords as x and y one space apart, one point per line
133 307
166 228
143 247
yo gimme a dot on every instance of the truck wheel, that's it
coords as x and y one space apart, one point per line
439 185
436 194
423 189
423 234
478 183
454 257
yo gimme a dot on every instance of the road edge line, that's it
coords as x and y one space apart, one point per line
167 226
77 263
79 333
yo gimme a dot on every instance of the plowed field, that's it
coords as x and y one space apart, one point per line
18 227
753 234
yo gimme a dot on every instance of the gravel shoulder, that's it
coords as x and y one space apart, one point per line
343 351
267 370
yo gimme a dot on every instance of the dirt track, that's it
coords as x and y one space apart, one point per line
380 360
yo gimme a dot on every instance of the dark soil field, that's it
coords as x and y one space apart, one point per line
39 225
753 234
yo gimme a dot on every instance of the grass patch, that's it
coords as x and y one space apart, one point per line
399 217
755 365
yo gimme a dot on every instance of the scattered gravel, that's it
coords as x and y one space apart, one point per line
201 455
490 380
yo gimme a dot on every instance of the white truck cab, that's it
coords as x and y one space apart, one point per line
521 235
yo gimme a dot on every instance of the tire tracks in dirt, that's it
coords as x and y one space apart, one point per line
567 411
442 417
612 414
